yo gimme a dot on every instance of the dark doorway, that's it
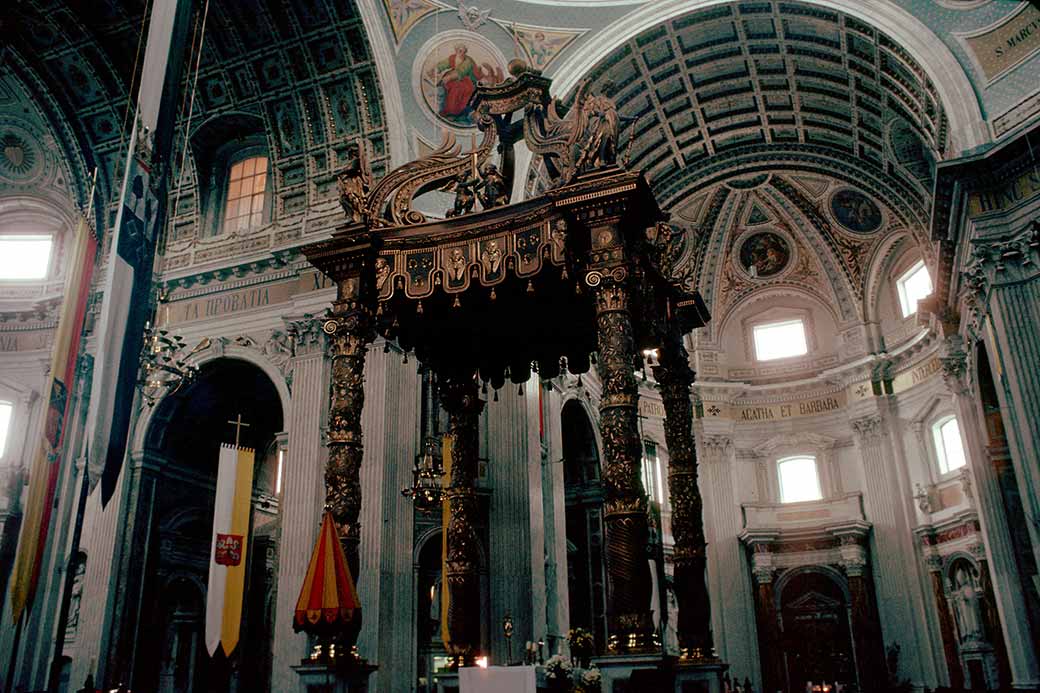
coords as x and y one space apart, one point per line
817 642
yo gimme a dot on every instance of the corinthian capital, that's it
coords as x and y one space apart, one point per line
868 429
715 446
1003 259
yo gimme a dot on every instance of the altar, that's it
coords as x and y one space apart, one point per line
498 680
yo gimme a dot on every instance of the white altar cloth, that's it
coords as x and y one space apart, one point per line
497 680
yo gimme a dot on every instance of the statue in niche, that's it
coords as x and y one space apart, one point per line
494 191
465 195
354 183
595 137
76 595
965 601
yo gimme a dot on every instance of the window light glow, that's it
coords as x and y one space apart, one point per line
948 445
798 479
779 340
5 425
278 474
651 470
245 197
914 285
25 257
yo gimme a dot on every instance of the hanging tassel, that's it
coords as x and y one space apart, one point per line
418 309
530 286
563 274
496 395
520 390
379 309
456 304
493 295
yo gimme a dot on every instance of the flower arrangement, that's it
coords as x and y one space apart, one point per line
558 673
583 646
591 681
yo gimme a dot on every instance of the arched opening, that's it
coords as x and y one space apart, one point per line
183 440
430 650
814 612
583 489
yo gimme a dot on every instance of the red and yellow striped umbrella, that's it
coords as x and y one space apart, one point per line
328 601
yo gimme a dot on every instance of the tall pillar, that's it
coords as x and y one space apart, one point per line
628 571
773 678
461 399
863 616
302 493
350 331
1003 279
1005 591
674 378
946 628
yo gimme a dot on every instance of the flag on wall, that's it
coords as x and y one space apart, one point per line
120 327
46 462
229 547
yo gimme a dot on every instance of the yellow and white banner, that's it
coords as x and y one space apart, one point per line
227 563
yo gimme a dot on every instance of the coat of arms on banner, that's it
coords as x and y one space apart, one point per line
229 549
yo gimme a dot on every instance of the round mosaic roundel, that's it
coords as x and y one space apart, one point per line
855 211
764 254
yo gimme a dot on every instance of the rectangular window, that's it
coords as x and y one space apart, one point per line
948 446
6 408
247 182
780 340
914 285
798 479
652 472
25 257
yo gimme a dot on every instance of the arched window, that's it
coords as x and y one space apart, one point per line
949 449
799 479
6 409
25 256
244 202
913 285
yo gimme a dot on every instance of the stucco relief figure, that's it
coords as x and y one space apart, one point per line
72 625
494 191
491 258
456 265
382 272
595 143
965 602
354 183
764 254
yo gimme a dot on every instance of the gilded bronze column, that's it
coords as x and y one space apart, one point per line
624 508
461 399
350 330
674 378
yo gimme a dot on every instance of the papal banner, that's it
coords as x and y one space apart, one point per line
79 252
228 549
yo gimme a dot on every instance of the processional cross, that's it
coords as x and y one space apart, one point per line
237 423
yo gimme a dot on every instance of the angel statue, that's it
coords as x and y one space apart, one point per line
465 195
354 183
594 140
494 191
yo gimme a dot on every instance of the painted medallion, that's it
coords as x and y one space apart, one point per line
855 211
764 254
450 74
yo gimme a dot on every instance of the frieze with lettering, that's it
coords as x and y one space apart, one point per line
1000 48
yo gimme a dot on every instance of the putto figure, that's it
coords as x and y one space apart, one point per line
494 190
354 183
465 195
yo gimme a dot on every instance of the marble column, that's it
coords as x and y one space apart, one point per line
731 591
302 492
896 562
946 627
1003 282
863 616
461 399
674 377
773 677
630 587
1012 630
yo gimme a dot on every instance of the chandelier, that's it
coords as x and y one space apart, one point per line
164 368
427 474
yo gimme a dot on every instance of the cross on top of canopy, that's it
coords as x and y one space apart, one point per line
510 286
